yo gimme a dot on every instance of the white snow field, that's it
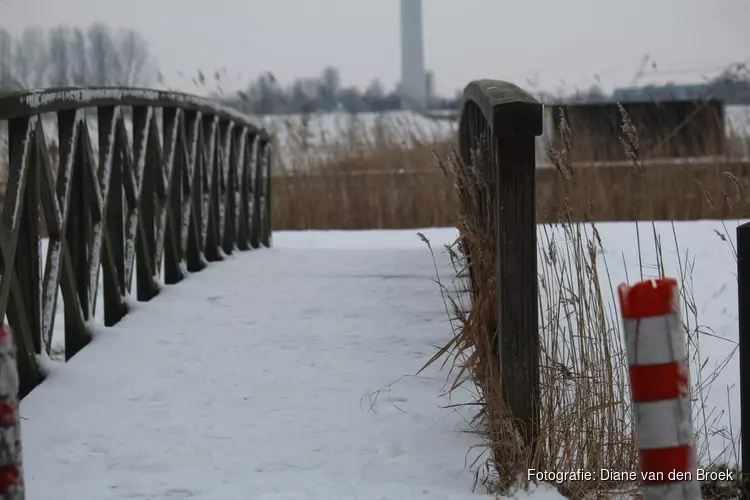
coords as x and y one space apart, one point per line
257 379
288 373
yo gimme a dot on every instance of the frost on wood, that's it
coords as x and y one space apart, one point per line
93 97
49 297
131 131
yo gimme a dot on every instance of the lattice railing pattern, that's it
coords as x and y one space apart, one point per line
188 186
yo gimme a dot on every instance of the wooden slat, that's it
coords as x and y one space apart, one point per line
20 145
142 122
171 122
189 131
146 215
24 311
112 153
56 245
255 216
245 189
77 237
170 246
210 131
213 230
99 179
194 246
268 224
236 158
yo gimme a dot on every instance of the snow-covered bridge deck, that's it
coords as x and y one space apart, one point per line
258 378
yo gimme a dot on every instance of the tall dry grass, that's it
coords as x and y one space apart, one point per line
383 176
585 412
360 176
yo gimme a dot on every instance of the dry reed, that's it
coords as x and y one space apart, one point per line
586 421
384 178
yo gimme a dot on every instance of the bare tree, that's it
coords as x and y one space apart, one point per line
60 56
136 66
7 76
104 61
80 57
31 59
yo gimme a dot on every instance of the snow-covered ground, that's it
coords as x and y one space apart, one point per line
280 374
288 373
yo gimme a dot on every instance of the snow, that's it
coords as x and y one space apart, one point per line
706 250
80 97
280 373
288 373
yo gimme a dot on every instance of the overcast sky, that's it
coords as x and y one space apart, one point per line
549 41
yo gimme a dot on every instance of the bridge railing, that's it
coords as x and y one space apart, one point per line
188 186
497 129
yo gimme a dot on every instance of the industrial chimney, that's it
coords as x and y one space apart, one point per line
413 88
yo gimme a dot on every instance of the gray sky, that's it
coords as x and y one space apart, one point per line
550 41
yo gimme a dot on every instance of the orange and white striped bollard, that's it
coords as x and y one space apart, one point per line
660 389
11 476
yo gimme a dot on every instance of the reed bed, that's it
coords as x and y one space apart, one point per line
585 412
383 176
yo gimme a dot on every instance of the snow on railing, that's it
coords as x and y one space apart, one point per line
134 185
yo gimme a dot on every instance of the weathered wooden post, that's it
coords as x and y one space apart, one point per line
508 119
11 476
743 289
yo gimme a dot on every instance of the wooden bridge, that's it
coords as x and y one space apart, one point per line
189 185
255 368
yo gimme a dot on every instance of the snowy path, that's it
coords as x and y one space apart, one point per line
250 380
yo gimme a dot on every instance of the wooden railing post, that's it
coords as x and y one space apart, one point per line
743 289
266 182
78 237
255 216
505 120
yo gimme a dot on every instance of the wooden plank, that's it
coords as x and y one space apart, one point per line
236 158
100 172
245 189
142 122
113 279
146 215
78 237
213 231
194 248
267 221
35 102
56 246
171 118
24 311
255 228
20 146
170 246
211 130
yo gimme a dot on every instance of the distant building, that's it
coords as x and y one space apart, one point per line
413 85
429 86
665 129
730 91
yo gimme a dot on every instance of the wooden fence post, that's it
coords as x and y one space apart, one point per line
660 389
743 296
11 472
506 120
